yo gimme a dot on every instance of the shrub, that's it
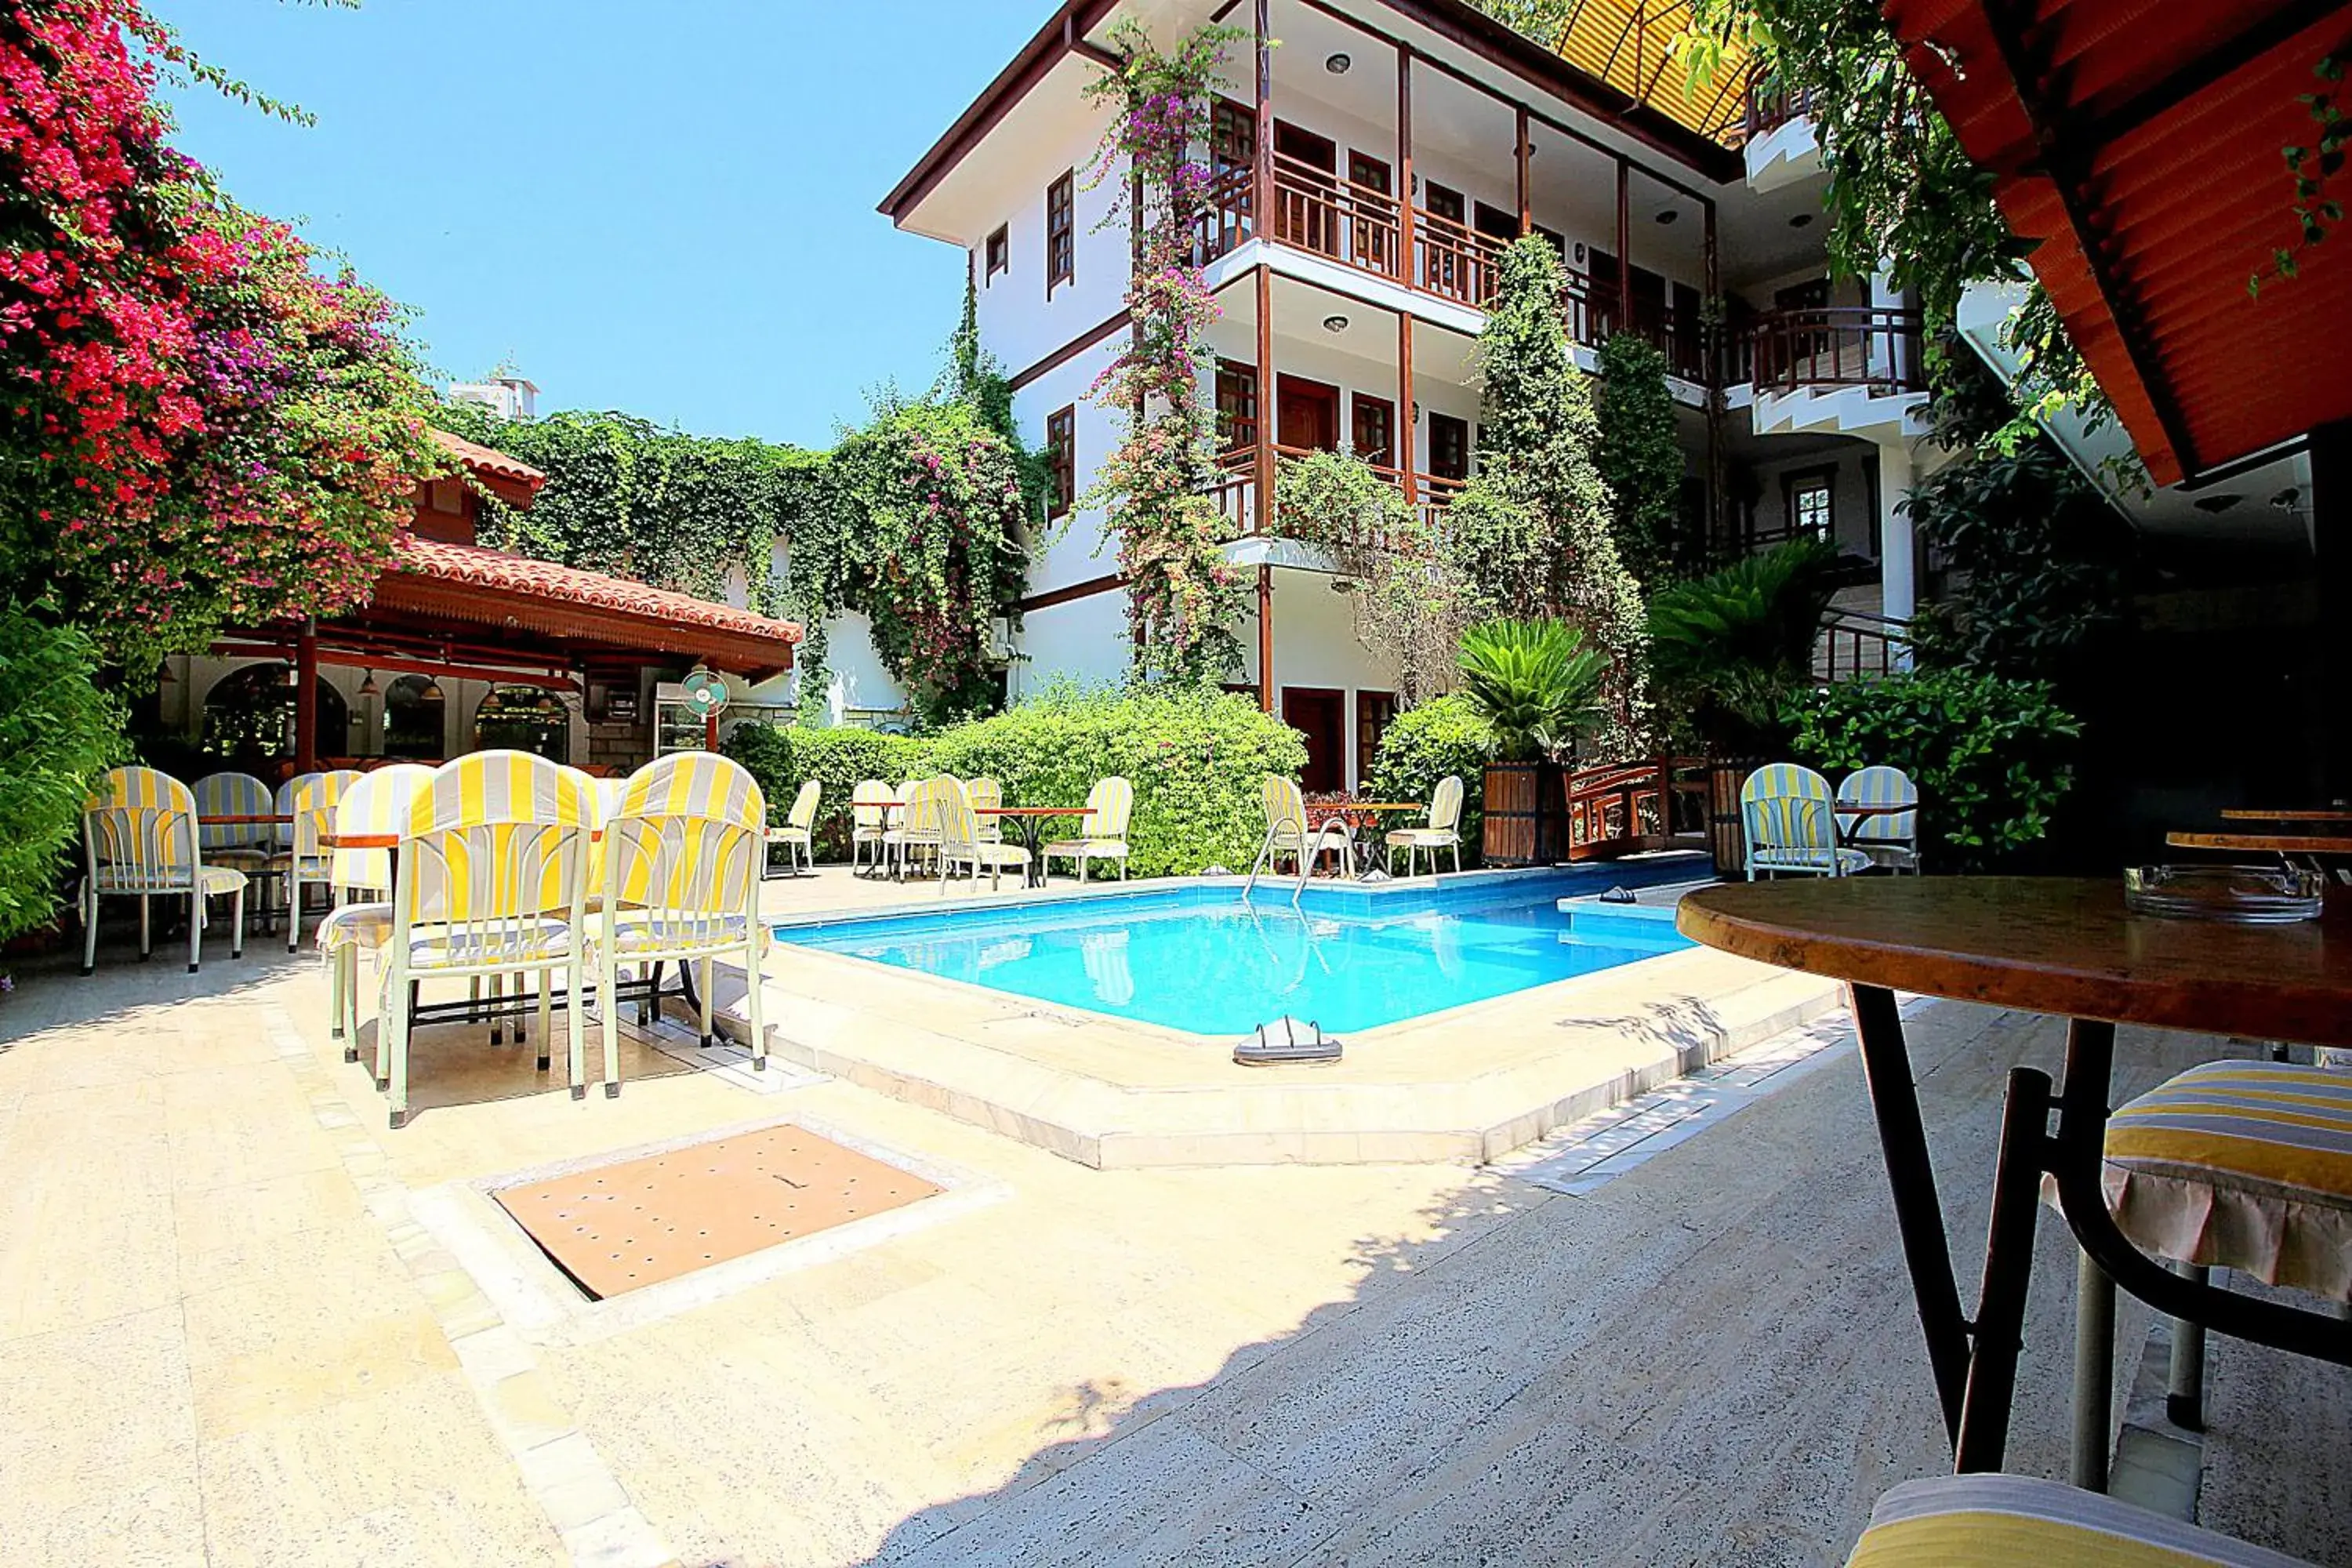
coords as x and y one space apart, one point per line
57 732
1991 755
1195 757
1729 648
1422 745
1534 681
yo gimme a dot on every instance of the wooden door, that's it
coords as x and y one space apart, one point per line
1321 718
1449 447
1374 710
1373 429
1372 220
1307 415
1307 189
1236 406
1233 159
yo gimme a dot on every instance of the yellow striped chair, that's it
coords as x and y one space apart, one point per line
683 857
311 800
986 795
917 831
259 850
1441 831
2019 1521
361 921
490 879
140 840
2235 1164
960 841
1792 826
871 816
1892 840
798 833
1102 832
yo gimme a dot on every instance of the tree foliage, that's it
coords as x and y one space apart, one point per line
1534 682
57 732
1183 596
1532 531
201 427
1729 648
1641 460
1445 735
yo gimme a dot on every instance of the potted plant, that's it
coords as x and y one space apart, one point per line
1536 684
1727 651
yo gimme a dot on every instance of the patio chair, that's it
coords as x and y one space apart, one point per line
797 835
1892 841
1985 1520
490 880
918 832
139 839
684 855
962 844
2231 1165
1441 831
1791 828
1102 832
869 817
311 800
256 848
361 921
986 795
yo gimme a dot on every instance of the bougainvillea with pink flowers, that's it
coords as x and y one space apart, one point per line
203 428
1184 598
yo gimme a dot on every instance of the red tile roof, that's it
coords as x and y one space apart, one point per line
487 460
496 588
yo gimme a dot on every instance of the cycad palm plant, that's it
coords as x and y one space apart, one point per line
1731 646
1534 681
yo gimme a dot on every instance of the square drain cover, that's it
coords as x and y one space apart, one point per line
618 1227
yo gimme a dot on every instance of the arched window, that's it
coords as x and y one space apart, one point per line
249 720
414 707
524 719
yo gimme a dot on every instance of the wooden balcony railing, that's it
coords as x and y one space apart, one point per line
1457 262
1235 492
1621 808
1772 104
1335 217
1838 345
1854 644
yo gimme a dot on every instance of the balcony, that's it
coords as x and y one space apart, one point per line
1235 489
1836 345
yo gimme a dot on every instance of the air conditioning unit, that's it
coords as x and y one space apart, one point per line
1000 640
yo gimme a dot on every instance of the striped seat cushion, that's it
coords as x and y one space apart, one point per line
365 926
1997 1521
2241 1165
1803 857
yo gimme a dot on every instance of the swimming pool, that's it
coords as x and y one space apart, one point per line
1199 960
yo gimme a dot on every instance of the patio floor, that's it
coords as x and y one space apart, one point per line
233 1330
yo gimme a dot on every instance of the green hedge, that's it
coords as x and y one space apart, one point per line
57 732
1422 745
1195 757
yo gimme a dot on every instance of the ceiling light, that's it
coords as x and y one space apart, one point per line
163 676
1668 215
368 687
1338 64
1802 220
2216 505
1335 323
431 691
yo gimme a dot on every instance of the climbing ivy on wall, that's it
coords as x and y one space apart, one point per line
1183 596
1640 459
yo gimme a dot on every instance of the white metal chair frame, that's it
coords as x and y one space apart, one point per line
147 847
1788 814
681 873
311 800
798 833
482 891
961 843
1891 840
377 803
1102 832
1443 830
918 831
869 818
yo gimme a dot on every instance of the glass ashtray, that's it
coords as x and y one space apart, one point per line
2242 895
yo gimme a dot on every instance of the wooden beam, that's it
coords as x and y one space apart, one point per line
1266 638
1526 200
1408 460
1407 262
306 698
1068 352
1624 246
1110 583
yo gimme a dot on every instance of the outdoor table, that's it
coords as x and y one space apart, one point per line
1859 815
2315 848
1366 851
2065 947
2247 814
1029 824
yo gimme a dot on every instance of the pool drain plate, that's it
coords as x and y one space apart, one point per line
620 1227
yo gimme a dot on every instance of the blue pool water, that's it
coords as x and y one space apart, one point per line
1198 959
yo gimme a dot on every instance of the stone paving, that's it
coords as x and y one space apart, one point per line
233 1329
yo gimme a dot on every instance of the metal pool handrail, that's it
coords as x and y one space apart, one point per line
1315 851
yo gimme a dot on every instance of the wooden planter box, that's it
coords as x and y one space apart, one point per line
1526 806
1727 835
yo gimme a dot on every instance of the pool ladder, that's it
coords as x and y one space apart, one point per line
1308 857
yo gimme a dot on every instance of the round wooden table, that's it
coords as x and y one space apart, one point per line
2248 814
2058 946
1364 853
1029 825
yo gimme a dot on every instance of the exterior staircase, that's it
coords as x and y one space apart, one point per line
1878 413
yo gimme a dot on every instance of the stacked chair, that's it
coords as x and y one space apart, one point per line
961 842
256 848
361 921
1891 841
1791 823
871 816
309 800
1102 832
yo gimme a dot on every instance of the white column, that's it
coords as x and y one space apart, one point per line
1898 592
1886 296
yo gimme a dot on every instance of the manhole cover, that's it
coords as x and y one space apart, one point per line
623 1227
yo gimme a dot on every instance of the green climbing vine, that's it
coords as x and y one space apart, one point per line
1183 596
1639 456
2311 168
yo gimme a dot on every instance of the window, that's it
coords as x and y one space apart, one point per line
1000 252
1236 406
1812 502
1062 462
1374 435
1449 447
1061 232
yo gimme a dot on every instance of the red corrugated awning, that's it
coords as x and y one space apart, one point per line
2138 140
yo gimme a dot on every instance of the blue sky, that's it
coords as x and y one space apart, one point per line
666 209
